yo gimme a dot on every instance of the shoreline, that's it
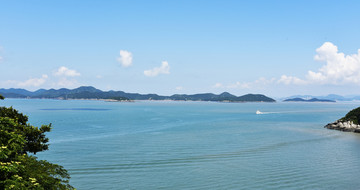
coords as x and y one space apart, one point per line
345 126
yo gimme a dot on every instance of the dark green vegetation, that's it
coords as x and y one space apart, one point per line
19 168
119 98
224 97
310 100
88 92
353 115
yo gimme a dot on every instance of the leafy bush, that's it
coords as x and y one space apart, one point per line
19 169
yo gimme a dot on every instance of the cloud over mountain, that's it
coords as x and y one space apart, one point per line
32 82
284 79
66 77
339 68
64 71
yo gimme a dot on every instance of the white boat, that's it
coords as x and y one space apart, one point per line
258 112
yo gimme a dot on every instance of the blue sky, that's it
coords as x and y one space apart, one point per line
277 48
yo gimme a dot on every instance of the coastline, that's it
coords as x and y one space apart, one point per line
346 126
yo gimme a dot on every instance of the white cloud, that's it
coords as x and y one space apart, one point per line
179 88
65 77
257 84
218 85
163 69
1 58
32 82
64 71
264 81
125 58
241 85
65 82
284 79
339 68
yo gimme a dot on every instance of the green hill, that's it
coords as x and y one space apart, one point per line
353 115
89 92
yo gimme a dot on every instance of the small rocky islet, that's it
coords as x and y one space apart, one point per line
349 123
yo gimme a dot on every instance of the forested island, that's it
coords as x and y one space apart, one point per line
349 123
89 92
309 100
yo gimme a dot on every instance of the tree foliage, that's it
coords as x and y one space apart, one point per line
353 115
19 169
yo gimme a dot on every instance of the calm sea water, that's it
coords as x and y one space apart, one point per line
198 145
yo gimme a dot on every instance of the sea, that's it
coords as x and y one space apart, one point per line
197 145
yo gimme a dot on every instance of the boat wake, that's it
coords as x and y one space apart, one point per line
259 112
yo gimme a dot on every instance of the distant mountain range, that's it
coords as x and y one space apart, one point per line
333 97
89 92
309 100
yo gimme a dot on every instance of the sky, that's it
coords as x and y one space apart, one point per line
276 48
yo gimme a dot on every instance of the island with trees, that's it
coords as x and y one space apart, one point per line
307 100
89 92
